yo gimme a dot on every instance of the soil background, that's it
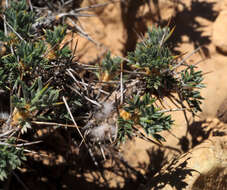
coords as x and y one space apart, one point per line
116 27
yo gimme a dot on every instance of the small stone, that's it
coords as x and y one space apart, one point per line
199 138
216 121
209 119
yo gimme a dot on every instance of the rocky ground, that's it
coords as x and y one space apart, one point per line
199 23
200 146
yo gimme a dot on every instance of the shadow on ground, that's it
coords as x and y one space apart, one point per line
196 134
185 19
186 22
78 171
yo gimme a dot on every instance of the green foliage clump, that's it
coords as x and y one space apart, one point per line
110 64
36 99
109 68
20 19
10 159
27 66
154 57
143 112
26 75
54 38
190 84
163 76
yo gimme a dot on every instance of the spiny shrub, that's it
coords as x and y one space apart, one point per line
106 101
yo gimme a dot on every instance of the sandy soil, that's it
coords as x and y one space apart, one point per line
194 24
109 30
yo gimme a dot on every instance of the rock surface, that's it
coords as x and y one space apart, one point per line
220 31
204 167
222 111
